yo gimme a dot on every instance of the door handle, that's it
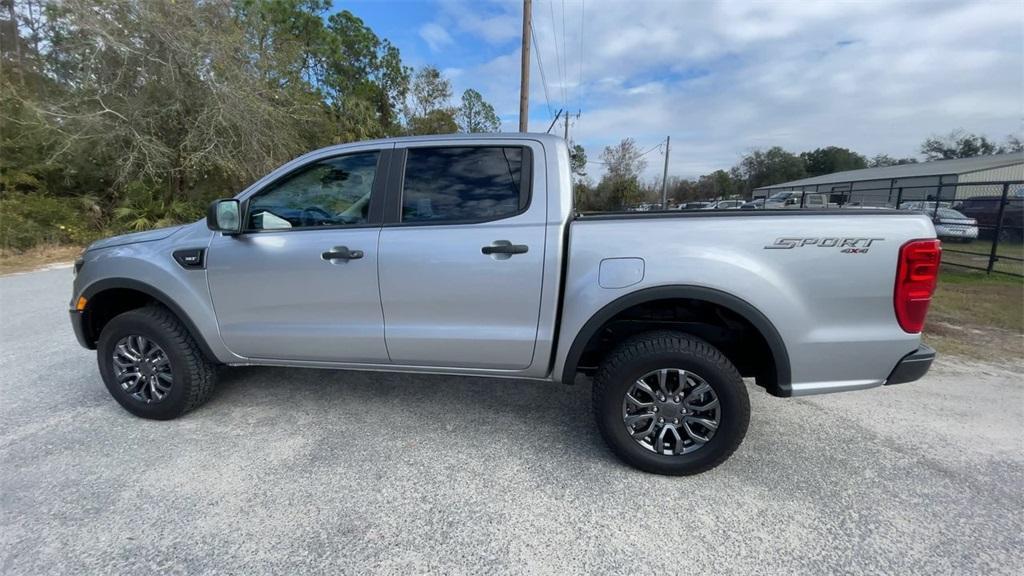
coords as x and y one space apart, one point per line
505 247
342 253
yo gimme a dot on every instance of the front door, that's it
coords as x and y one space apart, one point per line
300 283
461 260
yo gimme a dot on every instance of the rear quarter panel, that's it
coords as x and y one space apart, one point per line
833 310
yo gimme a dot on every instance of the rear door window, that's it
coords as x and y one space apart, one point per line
464 184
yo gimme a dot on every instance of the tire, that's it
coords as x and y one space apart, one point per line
192 375
700 362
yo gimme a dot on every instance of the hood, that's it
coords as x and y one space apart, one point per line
135 237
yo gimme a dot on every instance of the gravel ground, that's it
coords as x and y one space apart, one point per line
304 471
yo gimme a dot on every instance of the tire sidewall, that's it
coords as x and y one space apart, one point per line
132 323
732 397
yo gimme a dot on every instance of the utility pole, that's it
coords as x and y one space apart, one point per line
566 127
524 82
664 176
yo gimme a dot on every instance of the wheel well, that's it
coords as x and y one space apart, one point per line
743 343
103 306
113 296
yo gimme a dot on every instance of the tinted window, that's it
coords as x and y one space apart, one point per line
330 192
461 184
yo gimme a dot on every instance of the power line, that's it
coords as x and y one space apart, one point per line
558 58
565 55
651 149
642 154
579 83
540 64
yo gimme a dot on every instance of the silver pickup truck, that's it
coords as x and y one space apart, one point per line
463 255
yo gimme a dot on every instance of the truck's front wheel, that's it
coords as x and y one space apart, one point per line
152 366
670 403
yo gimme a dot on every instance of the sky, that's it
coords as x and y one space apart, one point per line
723 78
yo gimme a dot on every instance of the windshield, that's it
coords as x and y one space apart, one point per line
780 196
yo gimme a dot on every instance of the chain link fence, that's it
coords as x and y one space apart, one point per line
981 224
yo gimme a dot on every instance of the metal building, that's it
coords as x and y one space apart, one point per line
893 185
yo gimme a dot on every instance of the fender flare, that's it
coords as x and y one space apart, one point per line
160 297
783 375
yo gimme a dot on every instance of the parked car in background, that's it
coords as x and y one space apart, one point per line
783 199
924 206
694 205
985 210
755 204
949 224
792 199
646 207
726 205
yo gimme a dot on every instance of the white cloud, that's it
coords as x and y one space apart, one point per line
495 22
436 37
646 88
725 77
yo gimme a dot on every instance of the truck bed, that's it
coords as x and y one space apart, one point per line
823 278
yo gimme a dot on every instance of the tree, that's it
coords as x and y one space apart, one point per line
430 112
434 122
832 159
165 93
362 75
1014 143
772 166
718 184
624 161
476 114
883 160
129 114
585 196
578 161
681 190
958 144
620 188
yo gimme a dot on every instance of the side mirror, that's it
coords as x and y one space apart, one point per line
225 216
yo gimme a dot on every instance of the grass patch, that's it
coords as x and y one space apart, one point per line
21 261
977 316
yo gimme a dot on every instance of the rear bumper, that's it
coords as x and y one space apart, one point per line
913 366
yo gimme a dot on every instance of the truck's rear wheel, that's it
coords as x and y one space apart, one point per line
670 403
152 366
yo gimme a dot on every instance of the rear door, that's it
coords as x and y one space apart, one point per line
462 254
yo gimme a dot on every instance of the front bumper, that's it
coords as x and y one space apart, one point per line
78 325
912 367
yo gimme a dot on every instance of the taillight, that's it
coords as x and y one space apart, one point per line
916 275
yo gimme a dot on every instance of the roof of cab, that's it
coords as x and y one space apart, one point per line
536 136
